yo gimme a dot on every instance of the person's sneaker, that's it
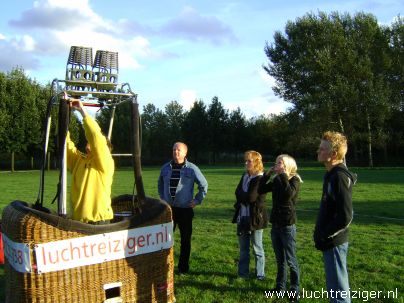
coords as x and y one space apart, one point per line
261 278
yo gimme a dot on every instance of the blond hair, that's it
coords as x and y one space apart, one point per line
290 166
338 143
258 166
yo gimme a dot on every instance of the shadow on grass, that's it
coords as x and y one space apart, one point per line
365 212
216 213
234 284
210 274
365 175
236 172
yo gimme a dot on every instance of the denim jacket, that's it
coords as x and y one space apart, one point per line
189 175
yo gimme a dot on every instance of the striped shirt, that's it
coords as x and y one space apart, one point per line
175 178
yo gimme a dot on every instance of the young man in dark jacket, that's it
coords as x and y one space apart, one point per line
335 215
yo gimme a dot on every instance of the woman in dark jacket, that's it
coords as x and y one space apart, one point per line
285 188
251 216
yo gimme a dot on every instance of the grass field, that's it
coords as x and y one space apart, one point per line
376 253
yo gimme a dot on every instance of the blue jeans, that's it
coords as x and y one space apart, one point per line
284 245
336 273
243 264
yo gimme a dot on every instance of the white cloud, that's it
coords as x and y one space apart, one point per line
259 106
263 103
27 43
191 25
49 14
66 3
23 43
13 56
188 97
15 51
55 25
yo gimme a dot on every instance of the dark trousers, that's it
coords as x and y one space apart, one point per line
183 218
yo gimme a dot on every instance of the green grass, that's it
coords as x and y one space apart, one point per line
376 253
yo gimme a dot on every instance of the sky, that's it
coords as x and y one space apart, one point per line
168 50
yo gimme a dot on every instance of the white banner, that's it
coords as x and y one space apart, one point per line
75 252
17 255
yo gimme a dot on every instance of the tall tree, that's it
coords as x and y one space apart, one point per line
122 126
21 102
369 78
260 135
237 133
4 112
396 75
332 68
175 118
195 130
395 130
156 144
217 126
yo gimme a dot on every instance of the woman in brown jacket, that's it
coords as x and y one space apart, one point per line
251 216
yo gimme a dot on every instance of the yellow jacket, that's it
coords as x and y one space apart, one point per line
92 176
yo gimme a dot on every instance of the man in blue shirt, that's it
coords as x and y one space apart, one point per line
176 187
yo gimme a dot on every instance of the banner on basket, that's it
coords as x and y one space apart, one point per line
17 255
75 252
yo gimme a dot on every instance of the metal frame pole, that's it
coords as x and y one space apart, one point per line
137 151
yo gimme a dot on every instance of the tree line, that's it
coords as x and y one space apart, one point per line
345 73
339 72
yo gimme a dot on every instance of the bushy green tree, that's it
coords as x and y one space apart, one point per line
121 128
395 125
237 133
4 113
22 102
333 69
217 128
195 130
157 146
174 112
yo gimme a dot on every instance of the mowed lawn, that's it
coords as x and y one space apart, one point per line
376 253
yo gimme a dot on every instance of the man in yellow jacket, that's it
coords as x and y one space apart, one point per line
92 173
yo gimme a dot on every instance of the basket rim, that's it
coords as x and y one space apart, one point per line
151 209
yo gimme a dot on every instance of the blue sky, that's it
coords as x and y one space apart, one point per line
168 50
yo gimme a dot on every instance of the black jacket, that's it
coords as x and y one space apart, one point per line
256 201
335 212
284 198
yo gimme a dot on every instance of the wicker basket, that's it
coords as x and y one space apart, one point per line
141 278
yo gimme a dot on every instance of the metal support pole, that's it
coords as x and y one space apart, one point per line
62 209
41 181
137 151
64 113
111 122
